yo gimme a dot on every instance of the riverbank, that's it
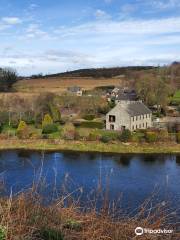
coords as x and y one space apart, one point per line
90 146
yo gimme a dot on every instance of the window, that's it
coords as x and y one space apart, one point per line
133 127
136 118
112 118
146 125
140 126
111 127
143 125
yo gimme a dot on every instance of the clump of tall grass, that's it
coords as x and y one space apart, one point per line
24 217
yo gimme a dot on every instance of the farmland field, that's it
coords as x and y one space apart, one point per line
60 84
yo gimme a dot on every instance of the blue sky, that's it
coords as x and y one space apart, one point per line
52 36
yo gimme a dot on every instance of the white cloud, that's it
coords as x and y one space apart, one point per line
131 27
96 44
163 4
34 30
101 15
11 20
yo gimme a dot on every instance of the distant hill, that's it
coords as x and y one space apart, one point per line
97 72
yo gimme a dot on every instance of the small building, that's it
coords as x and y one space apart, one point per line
130 115
125 95
75 90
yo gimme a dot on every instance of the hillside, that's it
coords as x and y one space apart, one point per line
89 79
98 72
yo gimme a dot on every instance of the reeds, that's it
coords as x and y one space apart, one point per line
24 217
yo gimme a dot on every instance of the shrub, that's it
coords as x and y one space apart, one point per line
178 137
83 133
163 135
56 115
92 124
2 233
49 128
93 136
173 137
125 136
151 137
47 120
73 224
45 136
103 109
76 135
68 132
89 117
4 117
105 139
50 234
107 136
138 137
36 135
23 130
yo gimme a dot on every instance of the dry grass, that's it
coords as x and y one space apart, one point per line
60 84
24 218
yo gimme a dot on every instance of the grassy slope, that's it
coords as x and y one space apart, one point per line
61 145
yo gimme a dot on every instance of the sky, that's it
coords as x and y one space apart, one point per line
51 36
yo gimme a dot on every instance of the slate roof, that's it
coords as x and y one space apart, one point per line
126 96
136 109
133 108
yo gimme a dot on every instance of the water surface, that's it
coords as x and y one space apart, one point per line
125 179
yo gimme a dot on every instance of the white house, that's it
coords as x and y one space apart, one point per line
130 115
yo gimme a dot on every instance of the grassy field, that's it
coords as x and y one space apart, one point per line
64 145
60 84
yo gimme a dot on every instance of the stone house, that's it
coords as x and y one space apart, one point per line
75 90
130 115
125 95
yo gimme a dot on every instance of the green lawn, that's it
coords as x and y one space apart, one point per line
176 97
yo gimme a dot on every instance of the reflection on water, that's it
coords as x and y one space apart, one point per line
132 178
178 159
123 160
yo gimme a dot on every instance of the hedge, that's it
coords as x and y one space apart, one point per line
89 117
91 124
49 128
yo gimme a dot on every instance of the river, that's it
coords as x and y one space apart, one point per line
127 180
